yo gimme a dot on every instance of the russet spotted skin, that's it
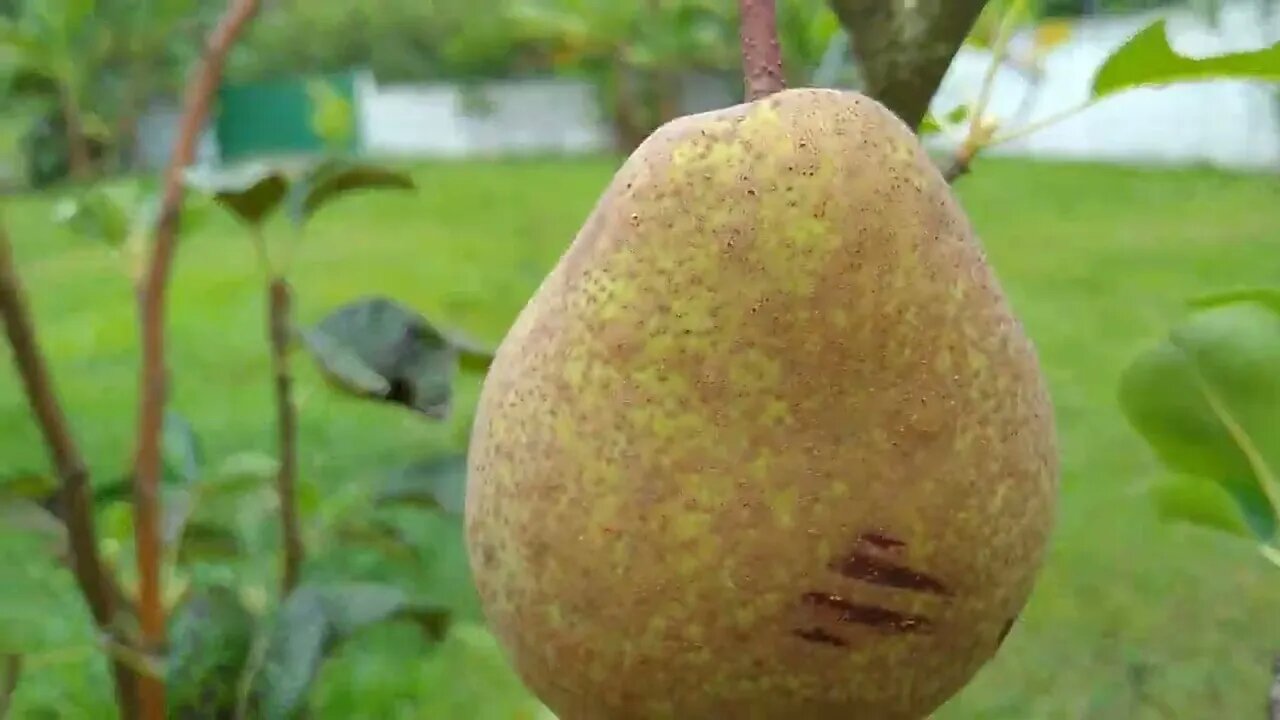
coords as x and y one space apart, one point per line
768 442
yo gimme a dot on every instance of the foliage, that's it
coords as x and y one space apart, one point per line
1146 59
229 653
1207 400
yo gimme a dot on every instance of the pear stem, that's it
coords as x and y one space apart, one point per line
761 54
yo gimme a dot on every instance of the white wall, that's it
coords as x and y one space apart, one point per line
1228 124
516 117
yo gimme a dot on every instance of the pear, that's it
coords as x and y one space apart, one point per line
768 441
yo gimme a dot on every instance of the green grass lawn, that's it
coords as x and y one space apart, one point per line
1131 619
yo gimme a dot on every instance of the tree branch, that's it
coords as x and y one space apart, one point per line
146 471
287 429
761 55
10 674
904 48
75 505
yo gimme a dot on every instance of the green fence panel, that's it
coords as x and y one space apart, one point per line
275 118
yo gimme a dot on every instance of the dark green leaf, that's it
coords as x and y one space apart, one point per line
205 541
380 349
251 192
181 449
330 180
295 650
472 356
439 483
313 621
1207 400
1148 59
1201 503
113 490
210 638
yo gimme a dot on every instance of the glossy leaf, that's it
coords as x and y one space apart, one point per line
312 622
1207 400
437 483
378 348
1147 58
330 180
210 637
1200 503
251 193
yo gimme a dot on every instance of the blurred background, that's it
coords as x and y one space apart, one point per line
511 116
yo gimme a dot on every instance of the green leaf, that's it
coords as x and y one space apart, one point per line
207 541
95 215
251 193
1268 296
377 348
1200 503
332 116
30 518
472 355
1148 59
210 637
181 449
1207 400
114 490
332 179
312 623
929 125
26 485
437 483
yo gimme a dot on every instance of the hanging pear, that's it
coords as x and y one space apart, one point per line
768 442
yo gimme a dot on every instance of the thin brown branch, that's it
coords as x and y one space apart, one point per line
761 54
75 501
146 471
957 168
10 674
905 48
279 317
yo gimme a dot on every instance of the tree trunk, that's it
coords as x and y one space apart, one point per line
904 48
78 157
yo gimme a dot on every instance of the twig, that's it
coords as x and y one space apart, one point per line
286 428
957 168
761 54
76 504
10 674
999 51
151 301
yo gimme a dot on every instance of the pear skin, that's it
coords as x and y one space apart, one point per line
768 441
